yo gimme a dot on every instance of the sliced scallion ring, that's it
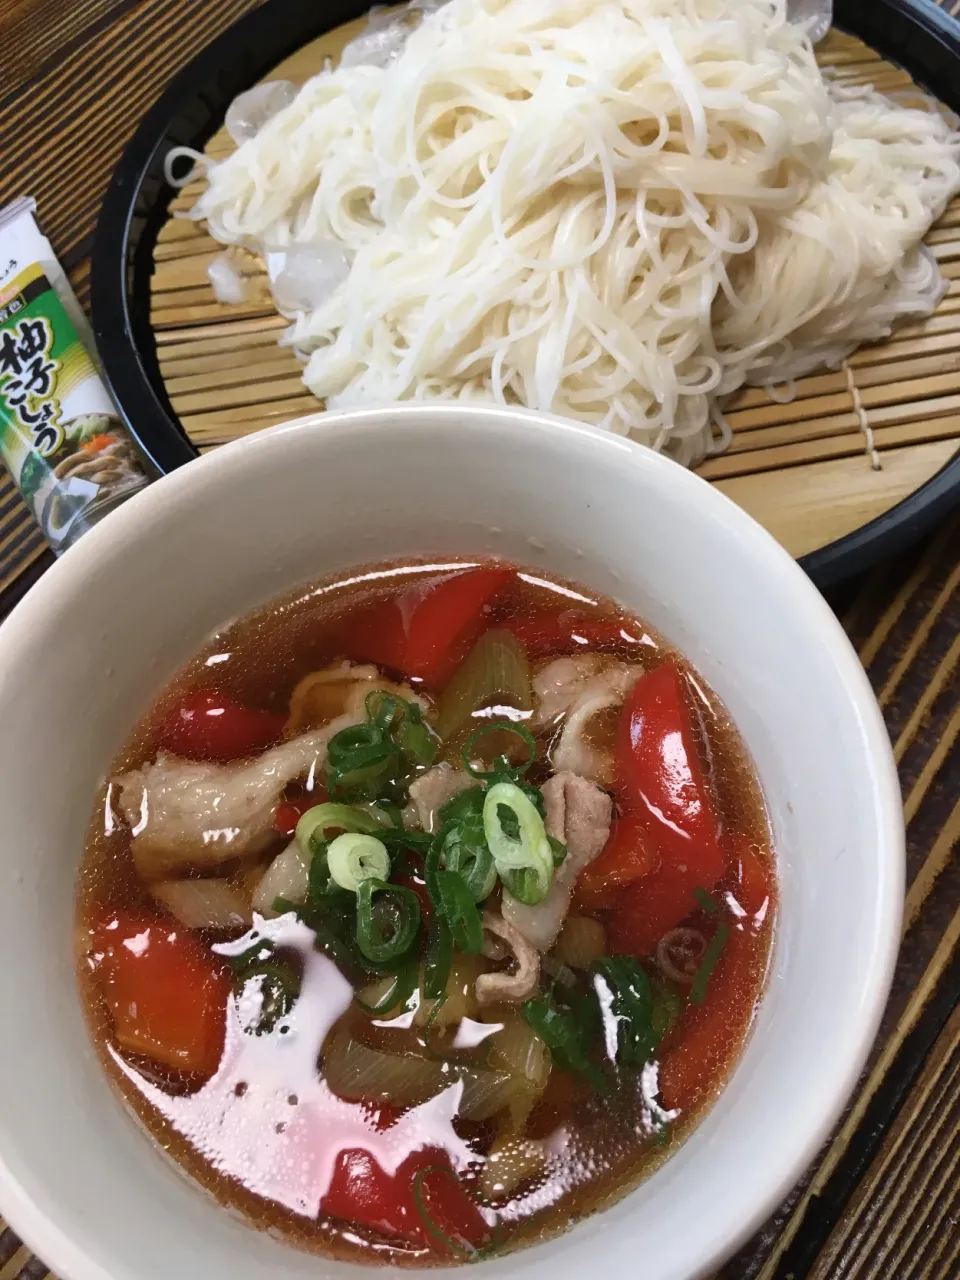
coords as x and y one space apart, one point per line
518 841
388 921
500 726
355 857
316 822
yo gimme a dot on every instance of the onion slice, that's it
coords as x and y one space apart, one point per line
203 904
286 877
356 1072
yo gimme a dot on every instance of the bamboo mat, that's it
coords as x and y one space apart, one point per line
802 469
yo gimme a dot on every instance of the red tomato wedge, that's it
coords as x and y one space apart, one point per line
205 726
711 1032
661 779
376 633
753 881
361 1191
649 908
167 993
289 812
568 631
447 620
430 629
627 855
662 785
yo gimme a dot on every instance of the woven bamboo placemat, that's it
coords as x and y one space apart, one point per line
806 469
882 1201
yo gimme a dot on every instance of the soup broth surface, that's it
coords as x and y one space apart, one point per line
426 1026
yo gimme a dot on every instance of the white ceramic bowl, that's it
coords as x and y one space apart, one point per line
90 646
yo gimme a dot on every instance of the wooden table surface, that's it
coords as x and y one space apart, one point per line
882 1199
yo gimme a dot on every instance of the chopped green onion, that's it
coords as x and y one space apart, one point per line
327 939
512 770
710 905
383 708
464 1250
558 849
402 721
388 920
388 817
316 822
356 737
667 1006
716 944
279 989
524 860
374 759
438 1004
464 850
254 955
417 740
322 890
495 671
279 982
464 806
398 993
460 912
366 773
354 857
439 957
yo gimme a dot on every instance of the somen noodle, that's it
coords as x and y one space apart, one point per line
617 211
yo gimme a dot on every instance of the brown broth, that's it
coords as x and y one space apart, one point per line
258 661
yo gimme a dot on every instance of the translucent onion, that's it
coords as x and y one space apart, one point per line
460 1000
286 877
203 904
582 942
511 1160
495 672
521 1052
356 1072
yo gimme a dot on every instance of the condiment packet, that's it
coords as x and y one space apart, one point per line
61 436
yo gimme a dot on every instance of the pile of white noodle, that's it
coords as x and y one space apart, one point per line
616 210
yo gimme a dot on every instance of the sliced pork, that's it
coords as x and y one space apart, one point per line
579 813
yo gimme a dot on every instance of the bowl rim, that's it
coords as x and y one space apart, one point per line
49 597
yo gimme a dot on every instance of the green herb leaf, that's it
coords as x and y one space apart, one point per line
460 912
566 1031
632 1007
698 991
710 905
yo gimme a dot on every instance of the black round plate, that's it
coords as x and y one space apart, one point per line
914 33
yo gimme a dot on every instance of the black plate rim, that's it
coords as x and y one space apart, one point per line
916 33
